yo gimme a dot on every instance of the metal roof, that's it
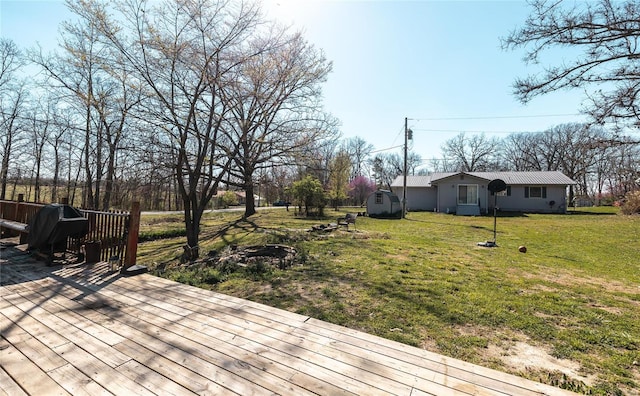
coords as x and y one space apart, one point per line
511 178
412 181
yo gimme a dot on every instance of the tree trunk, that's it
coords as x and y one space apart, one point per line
56 173
250 202
4 169
192 217
15 185
38 159
99 166
88 193
36 197
108 188
570 195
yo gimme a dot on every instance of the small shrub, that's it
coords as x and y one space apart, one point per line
197 276
229 199
256 268
631 204
211 276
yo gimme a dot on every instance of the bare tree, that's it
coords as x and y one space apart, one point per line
275 109
471 154
10 61
575 155
518 151
281 177
359 151
442 165
181 53
114 103
605 33
61 133
12 127
40 121
78 72
624 172
12 100
580 151
316 159
386 167
414 161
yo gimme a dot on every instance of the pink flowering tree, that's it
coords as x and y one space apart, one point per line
360 188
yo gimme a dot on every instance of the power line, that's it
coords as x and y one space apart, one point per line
493 117
398 135
470 131
386 149
490 131
394 141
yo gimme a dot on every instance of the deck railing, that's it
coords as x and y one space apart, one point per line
18 211
114 232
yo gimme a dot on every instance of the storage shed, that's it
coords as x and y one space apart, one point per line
383 203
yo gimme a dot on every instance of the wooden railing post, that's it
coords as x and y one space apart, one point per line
132 239
20 210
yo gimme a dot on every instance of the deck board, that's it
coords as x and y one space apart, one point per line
80 329
8 387
25 373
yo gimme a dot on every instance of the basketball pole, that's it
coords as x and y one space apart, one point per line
495 204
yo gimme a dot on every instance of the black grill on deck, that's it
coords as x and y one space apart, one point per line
57 228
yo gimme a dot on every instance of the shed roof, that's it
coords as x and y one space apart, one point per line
511 178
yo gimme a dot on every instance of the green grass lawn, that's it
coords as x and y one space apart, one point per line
570 304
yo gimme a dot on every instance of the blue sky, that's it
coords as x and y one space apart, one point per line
439 63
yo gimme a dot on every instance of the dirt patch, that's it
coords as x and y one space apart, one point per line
565 278
518 354
523 356
397 258
612 310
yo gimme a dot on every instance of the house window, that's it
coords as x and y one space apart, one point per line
467 194
505 193
535 192
378 198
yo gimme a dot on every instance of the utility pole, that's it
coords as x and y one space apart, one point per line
404 183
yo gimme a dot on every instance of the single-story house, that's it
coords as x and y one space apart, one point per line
467 193
241 197
383 203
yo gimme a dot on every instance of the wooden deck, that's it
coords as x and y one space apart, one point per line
79 329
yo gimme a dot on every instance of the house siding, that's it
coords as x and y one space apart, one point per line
418 198
517 202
